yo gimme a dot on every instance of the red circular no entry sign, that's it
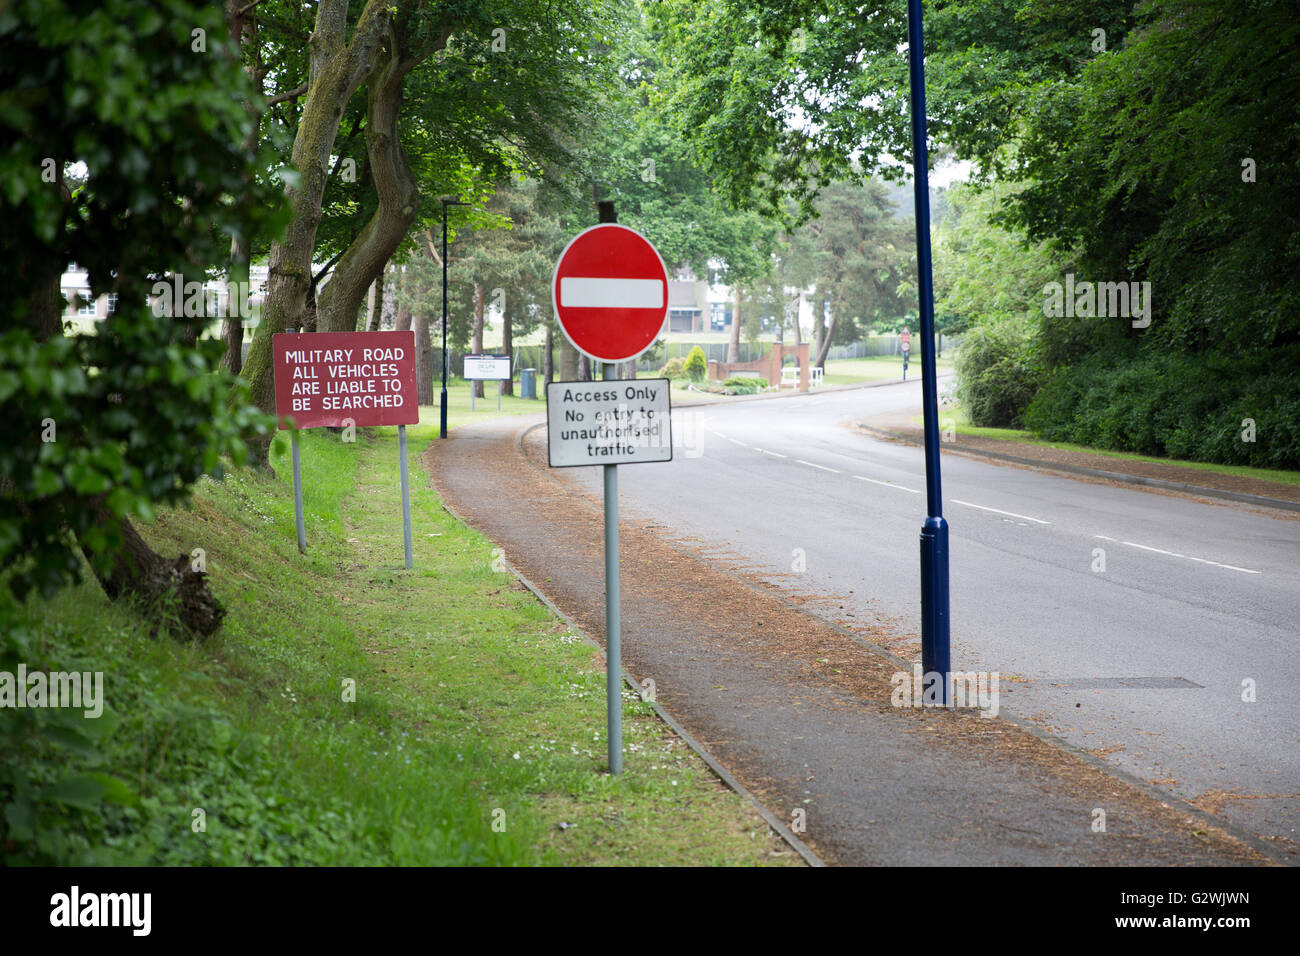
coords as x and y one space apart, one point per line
610 292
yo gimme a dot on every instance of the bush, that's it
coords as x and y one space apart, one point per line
674 368
696 364
1178 406
743 386
997 373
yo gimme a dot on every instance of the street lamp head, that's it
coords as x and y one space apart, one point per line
452 201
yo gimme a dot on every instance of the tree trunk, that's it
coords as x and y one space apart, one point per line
376 318
584 368
568 361
398 193
403 323
508 349
476 338
825 346
337 68
794 320
423 360
162 588
548 359
819 326
733 346
232 325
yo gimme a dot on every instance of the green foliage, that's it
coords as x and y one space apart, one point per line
674 368
1143 404
54 791
144 424
982 270
1140 163
129 416
696 365
997 373
740 67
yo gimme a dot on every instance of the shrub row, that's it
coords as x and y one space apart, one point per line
1180 406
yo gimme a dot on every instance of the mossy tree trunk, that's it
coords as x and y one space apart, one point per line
338 66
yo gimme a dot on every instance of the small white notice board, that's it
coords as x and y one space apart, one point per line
492 368
617 422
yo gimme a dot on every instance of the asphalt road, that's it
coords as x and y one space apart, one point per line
1145 663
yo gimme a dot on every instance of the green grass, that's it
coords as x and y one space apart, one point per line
877 368
961 424
478 721
458 406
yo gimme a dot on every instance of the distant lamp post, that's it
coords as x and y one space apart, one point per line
442 412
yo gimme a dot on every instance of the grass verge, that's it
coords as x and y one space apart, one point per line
352 712
956 415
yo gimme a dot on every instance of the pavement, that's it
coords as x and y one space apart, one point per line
769 590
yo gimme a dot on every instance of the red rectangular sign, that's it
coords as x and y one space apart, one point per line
345 378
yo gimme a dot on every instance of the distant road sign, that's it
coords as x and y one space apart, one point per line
610 292
616 422
493 368
342 378
906 340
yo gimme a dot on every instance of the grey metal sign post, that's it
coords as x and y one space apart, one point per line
406 497
610 423
297 494
613 626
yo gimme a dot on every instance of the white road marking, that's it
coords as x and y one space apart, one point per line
1175 554
774 454
997 511
734 442
888 484
822 467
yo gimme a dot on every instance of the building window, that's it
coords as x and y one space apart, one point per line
87 304
112 303
719 317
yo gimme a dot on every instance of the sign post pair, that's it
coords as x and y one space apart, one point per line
610 293
342 380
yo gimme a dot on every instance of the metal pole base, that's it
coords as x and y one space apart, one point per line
934 601
442 415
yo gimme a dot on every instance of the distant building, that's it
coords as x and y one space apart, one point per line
83 312
688 302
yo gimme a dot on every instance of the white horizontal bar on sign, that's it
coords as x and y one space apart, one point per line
579 292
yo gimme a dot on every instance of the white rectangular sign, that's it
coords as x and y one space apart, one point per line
580 292
618 422
493 368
